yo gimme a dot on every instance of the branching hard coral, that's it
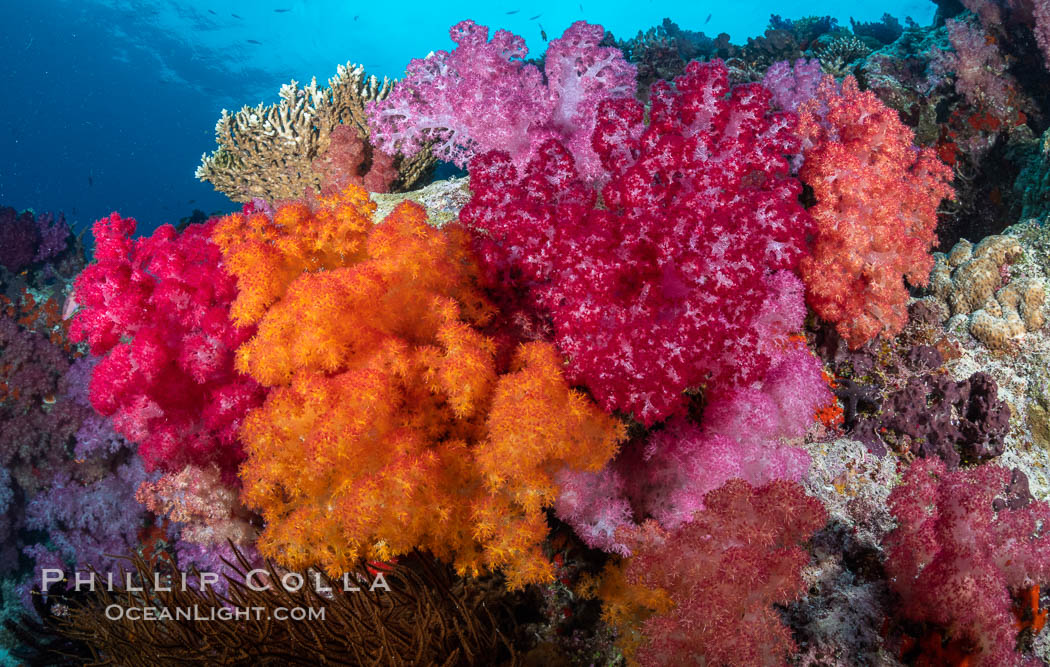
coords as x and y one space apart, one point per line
837 56
723 572
964 545
272 151
482 96
414 434
665 288
157 308
876 211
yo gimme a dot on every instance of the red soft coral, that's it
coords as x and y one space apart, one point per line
877 197
724 572
351 160
157 308
663 288
966 541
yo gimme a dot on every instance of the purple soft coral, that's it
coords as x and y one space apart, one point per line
482 96
792 85
19 238
54 235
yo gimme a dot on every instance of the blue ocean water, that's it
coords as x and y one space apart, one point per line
109 104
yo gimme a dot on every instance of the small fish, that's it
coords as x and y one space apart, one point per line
581 7
235 16
708 19
252 41
535 17
543 34
513 11
281 11
192 201
357 17
91 181
212 12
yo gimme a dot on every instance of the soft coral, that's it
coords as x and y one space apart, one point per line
157 310
483 95
666 286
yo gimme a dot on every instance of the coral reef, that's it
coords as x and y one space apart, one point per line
282 151
670 377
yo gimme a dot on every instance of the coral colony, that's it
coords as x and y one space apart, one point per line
674 377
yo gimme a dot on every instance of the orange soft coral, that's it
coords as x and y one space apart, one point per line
390 424
876 211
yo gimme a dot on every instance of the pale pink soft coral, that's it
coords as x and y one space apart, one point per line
791 85
482 96
1041 11
980 70
1035 13
198 498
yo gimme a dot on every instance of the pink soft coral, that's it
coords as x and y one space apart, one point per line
966 541
482 96
157 308
664 288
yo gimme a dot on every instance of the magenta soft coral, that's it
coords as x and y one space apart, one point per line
157 308
483 96
663 288
966 542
